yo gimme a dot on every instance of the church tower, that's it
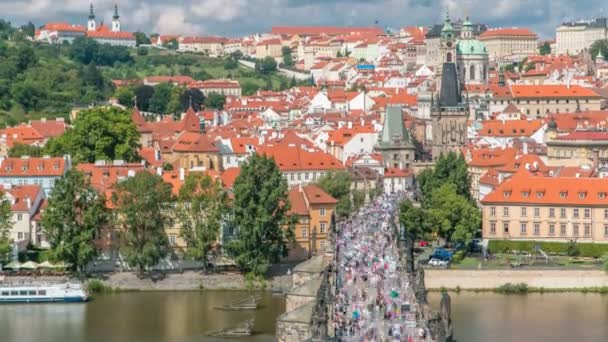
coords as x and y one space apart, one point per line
91 23
115 20
449 110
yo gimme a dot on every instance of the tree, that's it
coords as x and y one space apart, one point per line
192 97
19 150
201 206
28 94
250 88
143 94
75 213
545 49
160 98
231 64
450 168
599 45
171 44
338 184
215 100
25 57
293 82
125 96
5 226
287 56
98 134
266 66
141 38
260 207
28 29
141 202
412 223
452 216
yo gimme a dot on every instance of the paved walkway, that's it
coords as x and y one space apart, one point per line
374 300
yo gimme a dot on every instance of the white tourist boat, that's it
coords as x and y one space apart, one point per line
42 293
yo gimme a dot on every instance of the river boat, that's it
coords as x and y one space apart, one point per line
42 293
247 303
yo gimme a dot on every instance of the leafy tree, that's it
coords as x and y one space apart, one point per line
28 94
5 226
141 38
25 57
249 88
141 203
19 150
142 51
450 168
125 96
236 55
452 216
160 98
268 85
28 29
201 207
143 95
545 49
509 68
293 82
287 56
283 85
358 198
172 44
215 100
338 184
339 54
412 222
260 208
99 134
599 45
75 214
231 64
266 66
194 97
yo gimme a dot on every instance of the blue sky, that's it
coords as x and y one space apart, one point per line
241 17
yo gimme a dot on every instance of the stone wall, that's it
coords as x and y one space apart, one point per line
292 331
491 279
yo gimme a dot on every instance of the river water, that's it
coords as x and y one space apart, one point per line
567 317
187 316
137 317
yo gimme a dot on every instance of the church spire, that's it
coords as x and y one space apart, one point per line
91 12
115 17
91 26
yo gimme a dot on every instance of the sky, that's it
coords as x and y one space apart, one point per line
243 17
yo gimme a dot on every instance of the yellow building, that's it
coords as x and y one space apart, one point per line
503 42
314 209
547 209
194 151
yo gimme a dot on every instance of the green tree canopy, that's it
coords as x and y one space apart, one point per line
452 216
599 45
141 202
545 49
5 227
98 134
287 56
215 100
76 212
450 168
266 65
201 206
160 98
260 207
20 150
141 38
337 184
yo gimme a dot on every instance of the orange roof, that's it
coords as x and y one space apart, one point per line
343 135
301 198
49 128
194 142
30 167
567 122
229 176
64 27
486 157
169 79
584 135
403 98
239 145
103 32
392 172
527 162
295 158
510 128
508 32
21 194
544 91
525 188
104 176
319 30
22 134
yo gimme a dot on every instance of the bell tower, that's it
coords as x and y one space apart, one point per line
448 41
115 20
91 23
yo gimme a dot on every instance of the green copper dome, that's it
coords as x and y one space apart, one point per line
471 47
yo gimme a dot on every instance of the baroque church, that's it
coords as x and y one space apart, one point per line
449 108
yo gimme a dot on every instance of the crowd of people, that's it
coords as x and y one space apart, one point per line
374 300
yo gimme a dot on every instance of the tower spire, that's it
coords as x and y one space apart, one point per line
116 16
91 11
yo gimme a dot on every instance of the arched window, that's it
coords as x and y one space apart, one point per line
472 73
449 57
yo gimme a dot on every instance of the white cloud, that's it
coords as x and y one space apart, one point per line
173 20
221 10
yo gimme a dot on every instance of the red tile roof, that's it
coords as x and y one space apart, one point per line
397 173
508 32
319 30
551 91
194 142
21 194
486 157
49 128
32 167
229 176
584 135
510 128
66 27
295 158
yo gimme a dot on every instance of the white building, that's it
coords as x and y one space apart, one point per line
574 37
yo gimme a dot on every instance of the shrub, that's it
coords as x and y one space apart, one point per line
458 257
97 286
508 288
591 250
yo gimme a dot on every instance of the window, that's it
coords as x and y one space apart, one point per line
537 229
322 212
562 194
19 217
582 195
31 292
505 227
606 230
306 176
5 293
299 176
505 211
524 228
322 244
20 236
292 177
14 293
493 211
524 211
575 212
605 213
172 239
23 293
323 226
562 229
536 212
587 230
551 212
562 212
492 228
587 213
552 229
304 233
575 229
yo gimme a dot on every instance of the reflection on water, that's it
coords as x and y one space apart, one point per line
137 316
534 317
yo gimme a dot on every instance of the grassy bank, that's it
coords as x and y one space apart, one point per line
523 288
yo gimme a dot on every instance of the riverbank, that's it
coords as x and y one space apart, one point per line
490 280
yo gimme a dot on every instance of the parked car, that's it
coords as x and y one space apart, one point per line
442 254
423 244
438 263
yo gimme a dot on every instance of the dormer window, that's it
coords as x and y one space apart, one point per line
540 194
563 194
525 194
507 193
582 194
24 168
601 195
8 168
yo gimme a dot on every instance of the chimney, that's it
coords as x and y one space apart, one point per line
182 174
159 171
350 125
29 202
300 188
525 148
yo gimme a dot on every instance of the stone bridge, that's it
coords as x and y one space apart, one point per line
311 300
